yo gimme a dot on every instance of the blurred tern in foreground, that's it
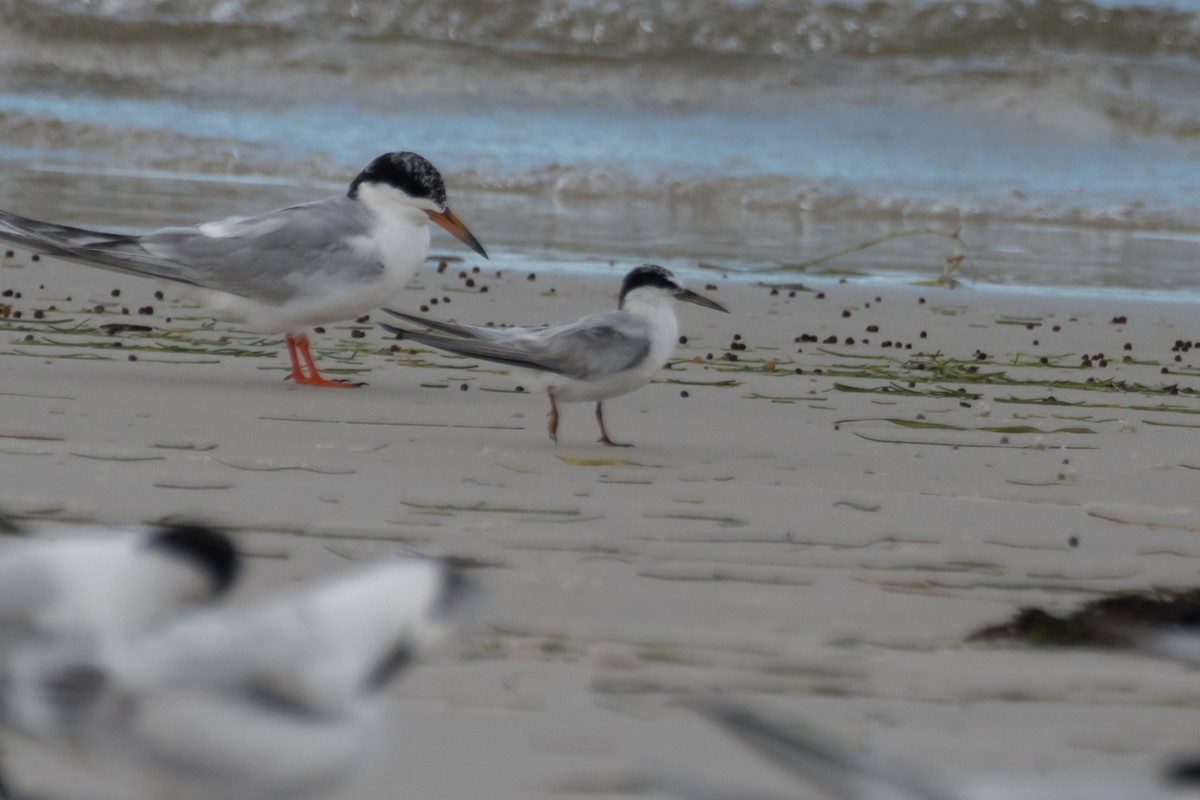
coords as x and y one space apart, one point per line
285 270
97 587
593 358
846 773
272 701
83 597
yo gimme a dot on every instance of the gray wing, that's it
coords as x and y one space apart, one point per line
270 257
589 349
452 328
835 768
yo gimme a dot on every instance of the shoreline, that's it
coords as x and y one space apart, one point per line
819 542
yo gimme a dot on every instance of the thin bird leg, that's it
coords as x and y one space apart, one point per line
552 423
603 433
297 374
314 377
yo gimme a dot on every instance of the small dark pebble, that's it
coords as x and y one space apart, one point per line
470 283
820 295
849 340
475 269
1073 541
363 318
115 292
318 330
1121 320
684 393
462 387
424 308
158 295
1035 342
708 356
132 357
483 289
520 389
830 340
357 334
1044 360
792 294
532 277
1056 328
6 293
39 314
146 310
683 340
35 257
731 356
774 292
845 312
872 329
9 254
710 287
923 334
799 371
921 301
737 337
441 267
433 301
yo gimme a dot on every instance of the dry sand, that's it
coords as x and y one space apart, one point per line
775 532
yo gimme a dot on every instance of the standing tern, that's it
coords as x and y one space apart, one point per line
846 773
273 700
593 358
289 269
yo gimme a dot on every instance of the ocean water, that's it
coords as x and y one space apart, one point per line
1062 138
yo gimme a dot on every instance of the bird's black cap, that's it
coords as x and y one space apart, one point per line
408 172
648 275
209 549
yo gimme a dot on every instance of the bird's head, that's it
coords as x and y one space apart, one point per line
410 180
651 283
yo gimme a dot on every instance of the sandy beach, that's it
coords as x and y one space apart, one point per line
831 488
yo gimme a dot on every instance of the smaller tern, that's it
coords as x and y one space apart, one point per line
847 773
289 269
593 358
274 700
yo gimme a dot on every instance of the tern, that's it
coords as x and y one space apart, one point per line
89 593
86 595
289 269
846 773
265 701
596 357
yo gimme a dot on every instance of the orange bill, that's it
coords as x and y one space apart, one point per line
450 221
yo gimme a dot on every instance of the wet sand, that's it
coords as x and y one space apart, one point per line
815 525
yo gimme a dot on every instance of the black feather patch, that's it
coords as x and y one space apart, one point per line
408 172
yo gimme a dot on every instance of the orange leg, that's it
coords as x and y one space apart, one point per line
604 433
297 374
552 423
298 346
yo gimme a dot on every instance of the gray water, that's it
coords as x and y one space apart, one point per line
747 136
